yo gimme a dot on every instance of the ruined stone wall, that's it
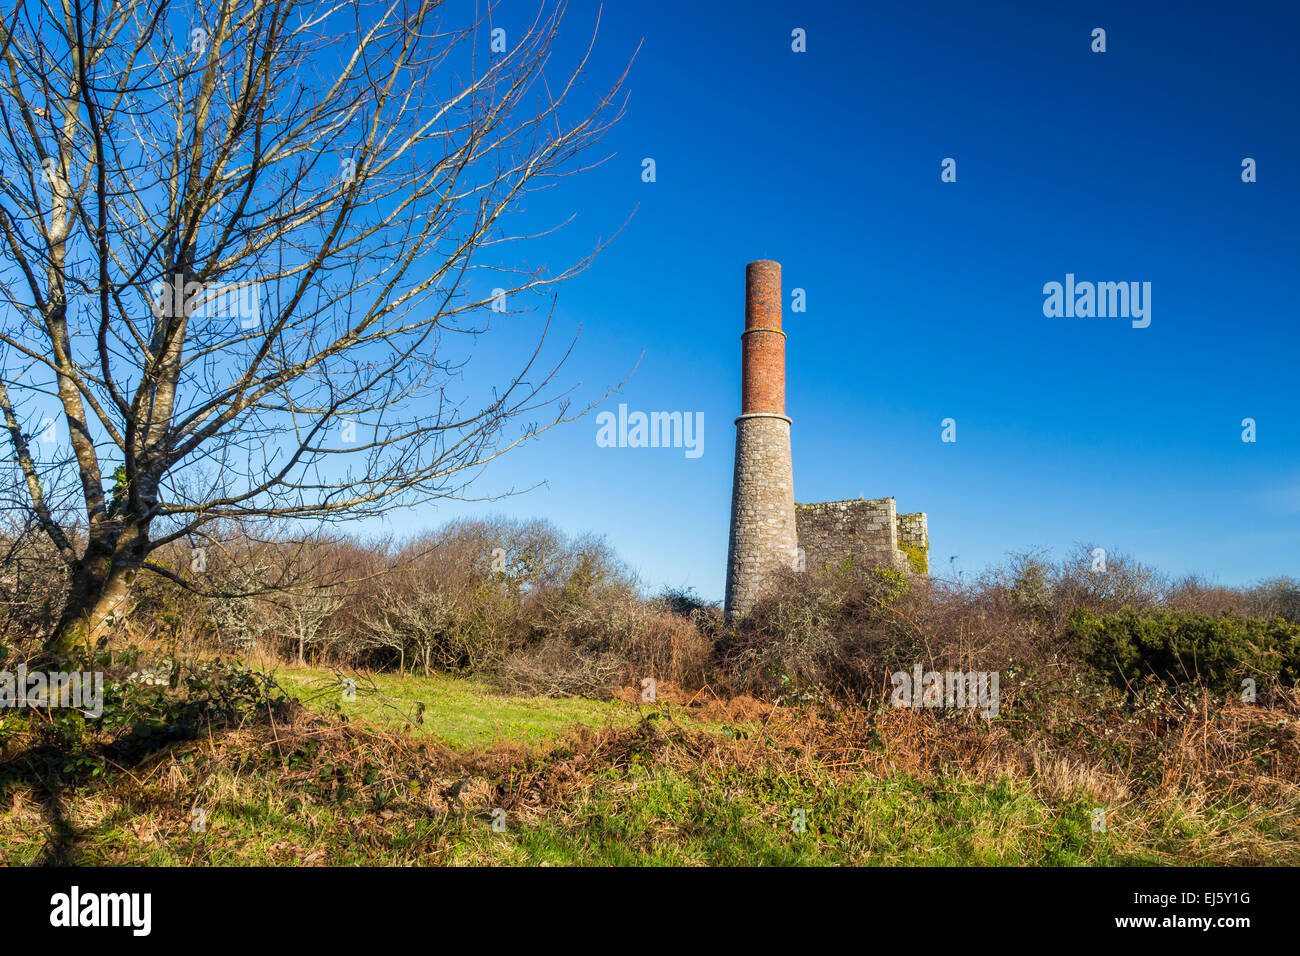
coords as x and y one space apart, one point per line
862 531
914 540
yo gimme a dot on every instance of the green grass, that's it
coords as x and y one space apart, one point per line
460 712
657 817
671 819
668 818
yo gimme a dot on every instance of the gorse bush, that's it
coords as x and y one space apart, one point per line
1184 647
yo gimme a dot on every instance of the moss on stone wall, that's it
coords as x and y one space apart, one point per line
918 556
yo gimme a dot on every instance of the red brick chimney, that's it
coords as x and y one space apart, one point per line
762 374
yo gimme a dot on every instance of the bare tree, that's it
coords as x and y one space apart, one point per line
245 263
264 604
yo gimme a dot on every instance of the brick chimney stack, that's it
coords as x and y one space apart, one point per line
762 363
763 536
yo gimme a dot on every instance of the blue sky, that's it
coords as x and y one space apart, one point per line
924 298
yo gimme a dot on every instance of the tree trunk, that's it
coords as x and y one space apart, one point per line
92 609
99 593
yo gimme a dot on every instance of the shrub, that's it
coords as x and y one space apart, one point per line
559 668
1279 597
828 633
595 632
33 581
144 708
1194 593
1181 647
1104 582
1026 586
425 623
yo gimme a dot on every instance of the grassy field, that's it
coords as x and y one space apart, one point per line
458 711
473 778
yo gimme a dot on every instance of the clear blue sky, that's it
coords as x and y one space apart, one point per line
925 298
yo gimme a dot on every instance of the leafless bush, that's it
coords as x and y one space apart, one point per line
1194 593
425 623
825 633
1278 597
561 669
1104 581
592 627
33 582
272 596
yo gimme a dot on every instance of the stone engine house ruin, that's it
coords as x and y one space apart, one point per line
768 530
